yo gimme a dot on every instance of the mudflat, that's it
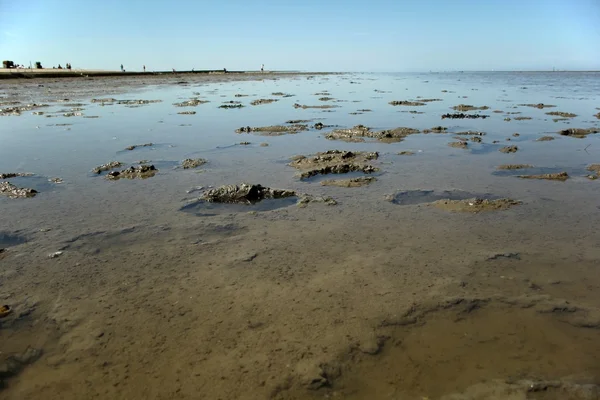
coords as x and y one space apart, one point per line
314 260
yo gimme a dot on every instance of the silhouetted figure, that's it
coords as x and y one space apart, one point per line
122 70
59 67
262 68
224 70
144 68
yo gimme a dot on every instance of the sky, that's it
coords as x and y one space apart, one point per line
306 35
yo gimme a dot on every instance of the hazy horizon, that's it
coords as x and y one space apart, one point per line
379 36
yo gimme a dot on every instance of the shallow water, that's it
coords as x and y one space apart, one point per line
147 301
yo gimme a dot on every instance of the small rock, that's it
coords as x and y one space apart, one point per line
55 254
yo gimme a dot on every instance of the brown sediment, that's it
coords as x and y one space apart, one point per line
578 133
469 107
298 121
476 139
107 167
326 98
463 116
348 183
263 101
406 153
14 192
186 112
475 205
436 129
17 110
334 162
406 103
359 132
282 94
562 114
135 146
139 172
429 100
544 139
324 107
275 130
192 163
521 118
190 103
559 176
9 175
231 105
516 134
514 166
459 145
509 149
306 199
245 194
539 105
498 111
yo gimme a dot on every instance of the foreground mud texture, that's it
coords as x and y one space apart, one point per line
475 205
245 194
335 162
360 132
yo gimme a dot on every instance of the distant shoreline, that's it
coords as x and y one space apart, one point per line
23 73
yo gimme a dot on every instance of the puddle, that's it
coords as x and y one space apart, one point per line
410 197
11 239
204 208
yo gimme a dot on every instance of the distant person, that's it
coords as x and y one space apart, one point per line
174 70
144 68
262 68
59 67
122 70
224 70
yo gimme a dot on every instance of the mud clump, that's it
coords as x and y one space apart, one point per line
187 113
192 163
559 176
597 115
349 183
522 118
245 194
509 149
470 133
539 105
14 175
406 153
306 199
561 114
14 192
469 107
138 102
282 94
429 100
326 98
140 172
17 110
190 103
263 101
406 103
436 129
544 139
231 105
135 146
304 107
514 166
475 205
107 167
104 101
578 133
275 130
334 162
359 132
463 116
459 145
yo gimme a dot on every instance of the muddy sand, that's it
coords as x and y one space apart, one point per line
297 284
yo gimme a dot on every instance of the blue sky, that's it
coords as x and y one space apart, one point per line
315 35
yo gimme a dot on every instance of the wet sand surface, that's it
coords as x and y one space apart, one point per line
143 288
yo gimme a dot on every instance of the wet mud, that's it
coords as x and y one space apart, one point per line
275 130
545 139
245 194
190 163
578 133
476 205
137 172
322 107
14 192
562 114
349 183
136 146
262 101
464 116
459 145
469 107
406 103
514 166
334 162
508 149
558 176
539 105
360 132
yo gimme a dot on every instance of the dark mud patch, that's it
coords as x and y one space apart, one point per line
359 132
428 100
8 239
245 194
190 103
413 112
135 146
406 153
9 175
469 133
263 101
561 114
475 205
231 105
412 197
597 115
459 145
350 183
139 102
14 192
275 130
539 105
508 149
325 98
406 103
436 129
469 107
323 107
282 94
107 167
578 133
187 113
190 163
522 118
334 162
544 139
138 172
557 176
17 110
594 168
464 116
299 121
514 166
